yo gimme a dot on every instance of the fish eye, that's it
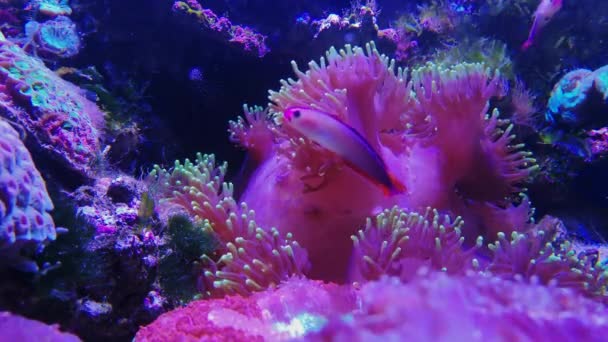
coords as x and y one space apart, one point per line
296 114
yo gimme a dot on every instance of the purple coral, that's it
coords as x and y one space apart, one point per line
56 37
18 328
433 307
24 202
242 35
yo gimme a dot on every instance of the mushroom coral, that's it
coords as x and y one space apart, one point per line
432 129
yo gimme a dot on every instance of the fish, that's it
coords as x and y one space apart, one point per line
543 14
338 137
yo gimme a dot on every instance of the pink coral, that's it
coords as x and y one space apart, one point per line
399 243
433 132
434 306
289 311
251 258
438 307
524 110
242 35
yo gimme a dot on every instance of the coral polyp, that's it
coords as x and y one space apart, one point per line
250 258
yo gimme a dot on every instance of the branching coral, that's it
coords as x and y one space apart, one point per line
252 258
253 131
477 148
242 35
544 255
399 243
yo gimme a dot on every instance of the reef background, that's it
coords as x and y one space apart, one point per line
169 86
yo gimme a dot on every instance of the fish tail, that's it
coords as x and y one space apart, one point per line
533 31
526 45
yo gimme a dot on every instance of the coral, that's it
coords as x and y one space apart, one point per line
524 110
399 243
574 116
439 307
434 306
253 131
436 17
51 8
56 37
566 104
24 202
432 132
242 35
356 17
292 310
252 258
64 123
17 328
598 142
600 80
544 255
477 147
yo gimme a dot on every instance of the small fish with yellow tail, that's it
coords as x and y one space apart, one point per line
343 140
543 14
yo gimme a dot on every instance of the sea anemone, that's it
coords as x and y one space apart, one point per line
433 133
251 258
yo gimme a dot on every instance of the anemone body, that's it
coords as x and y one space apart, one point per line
431 127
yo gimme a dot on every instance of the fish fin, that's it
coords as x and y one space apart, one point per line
396 188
